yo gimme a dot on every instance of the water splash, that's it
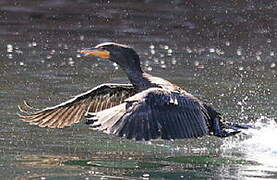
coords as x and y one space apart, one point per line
258 144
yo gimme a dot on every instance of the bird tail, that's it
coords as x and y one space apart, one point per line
220 128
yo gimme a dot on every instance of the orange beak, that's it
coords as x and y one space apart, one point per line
96 52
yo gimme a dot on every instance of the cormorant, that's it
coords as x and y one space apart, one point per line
148 108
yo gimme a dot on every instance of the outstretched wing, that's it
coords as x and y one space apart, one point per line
154 113
72 111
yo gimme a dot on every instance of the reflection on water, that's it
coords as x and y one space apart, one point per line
222 51
178 167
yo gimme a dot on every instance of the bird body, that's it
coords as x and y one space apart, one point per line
148 108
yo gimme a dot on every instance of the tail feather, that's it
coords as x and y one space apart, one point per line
220 128
238 126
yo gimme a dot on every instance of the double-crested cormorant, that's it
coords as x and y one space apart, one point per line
148 108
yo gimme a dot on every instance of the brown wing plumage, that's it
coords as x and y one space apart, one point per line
69 112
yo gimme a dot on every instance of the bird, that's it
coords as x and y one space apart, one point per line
146 108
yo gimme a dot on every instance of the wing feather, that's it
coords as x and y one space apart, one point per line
179 126
153 126
67 116
183 124
157 113
49 118
72 111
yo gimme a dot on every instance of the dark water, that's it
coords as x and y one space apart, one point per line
222 51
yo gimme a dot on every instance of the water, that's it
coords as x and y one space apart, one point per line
256 144
221 51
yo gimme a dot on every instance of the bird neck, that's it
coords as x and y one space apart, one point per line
138 78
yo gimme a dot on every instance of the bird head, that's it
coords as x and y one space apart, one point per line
121 54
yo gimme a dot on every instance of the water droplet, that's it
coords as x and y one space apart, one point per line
19 51
70 61
272 65
52 51
9 48
149 68
189 50
10 56
201 66
211 50
65 47
48 57
145 175
173 61
34 44
239 51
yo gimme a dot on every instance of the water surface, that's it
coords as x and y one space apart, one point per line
223 52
